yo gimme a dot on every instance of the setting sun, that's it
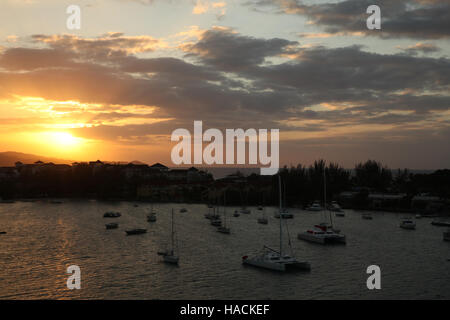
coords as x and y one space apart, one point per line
63 139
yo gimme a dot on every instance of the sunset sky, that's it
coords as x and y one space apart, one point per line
139 69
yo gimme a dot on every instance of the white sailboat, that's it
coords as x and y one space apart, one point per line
276 260
323 233
169 256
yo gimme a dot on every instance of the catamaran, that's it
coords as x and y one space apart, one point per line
276 260
323 233
169 256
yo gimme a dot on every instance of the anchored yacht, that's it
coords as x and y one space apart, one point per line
276 260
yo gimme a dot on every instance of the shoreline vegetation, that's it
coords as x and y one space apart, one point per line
370 186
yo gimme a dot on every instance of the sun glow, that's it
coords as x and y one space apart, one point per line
62 139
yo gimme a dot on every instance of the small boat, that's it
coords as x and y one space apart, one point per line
440 223
276 260
245 210
263 220
315 207
216 222
152 216
169 256
236 214
285 215
136 206
182 210
163 252
335 207
224 230
367 216
418 216
340 214
133 232
2 232
112 225
211 215
112 214
446 235
260 208
408 224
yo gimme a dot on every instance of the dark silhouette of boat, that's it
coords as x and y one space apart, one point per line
112 225
135 232
112 215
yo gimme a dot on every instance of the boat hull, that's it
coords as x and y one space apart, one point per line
440 223
408 227
281 267
171 259
135 232
335 239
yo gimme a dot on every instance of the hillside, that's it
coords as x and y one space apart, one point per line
9 158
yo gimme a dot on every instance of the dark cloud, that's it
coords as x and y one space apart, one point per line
420 19
228 50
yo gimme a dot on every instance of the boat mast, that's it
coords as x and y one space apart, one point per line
224 209
281 218
172 234
325 195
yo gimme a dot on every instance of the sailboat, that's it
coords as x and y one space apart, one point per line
263 219
223 228
169 256
275 260
446 235
152 216
323 233
284 212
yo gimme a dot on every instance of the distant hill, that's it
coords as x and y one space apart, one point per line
9 158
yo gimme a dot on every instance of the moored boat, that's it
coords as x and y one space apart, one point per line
315 207
276 260
135 232
440 223
112 225
446 235
366 216
169 256
112 214
407 224
322 234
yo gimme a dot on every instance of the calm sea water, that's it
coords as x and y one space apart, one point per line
43 239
